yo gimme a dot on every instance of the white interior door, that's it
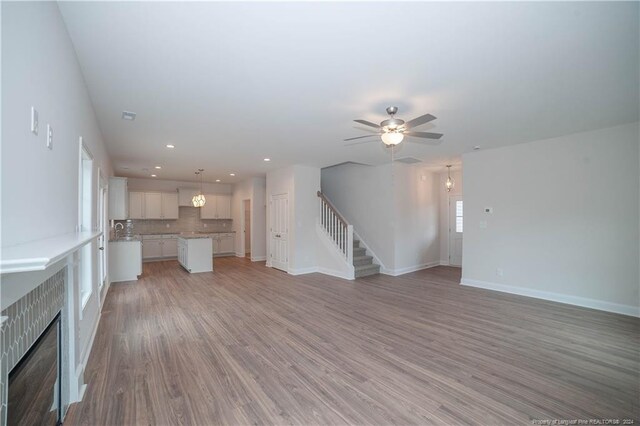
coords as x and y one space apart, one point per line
456 223
279 231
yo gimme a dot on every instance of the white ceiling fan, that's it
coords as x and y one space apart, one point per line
393 130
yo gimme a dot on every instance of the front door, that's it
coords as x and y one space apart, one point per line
455 230
279 231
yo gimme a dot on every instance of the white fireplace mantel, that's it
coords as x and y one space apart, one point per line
39 255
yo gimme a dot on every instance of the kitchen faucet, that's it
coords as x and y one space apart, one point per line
116 228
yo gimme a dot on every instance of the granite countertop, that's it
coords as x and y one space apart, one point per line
125 239
187 233
194 236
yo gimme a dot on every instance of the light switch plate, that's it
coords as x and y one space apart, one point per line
49 136
488 210
34 121
483 224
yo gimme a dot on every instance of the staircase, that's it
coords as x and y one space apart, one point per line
362 263
341 234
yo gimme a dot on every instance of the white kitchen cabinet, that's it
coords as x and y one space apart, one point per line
125 261
216 207
118 198
153 205
194 254
227 244
170 205
169 246
136 205
223 206
151 248
223 244
208 211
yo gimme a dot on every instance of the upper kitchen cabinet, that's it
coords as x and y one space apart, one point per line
118 198
170 205
136 205
216 207
152 205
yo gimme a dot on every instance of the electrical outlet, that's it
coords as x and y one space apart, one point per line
205 225
168 225
500 272
34 121
49 136
483 224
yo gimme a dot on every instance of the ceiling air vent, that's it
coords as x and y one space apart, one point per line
128 115
409 160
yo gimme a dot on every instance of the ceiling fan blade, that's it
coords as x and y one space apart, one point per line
425 142
427 135
418 121
359 143
360 137
367 123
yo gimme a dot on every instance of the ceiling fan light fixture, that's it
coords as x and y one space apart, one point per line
392 138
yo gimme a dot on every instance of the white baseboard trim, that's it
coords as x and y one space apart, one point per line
240 255
444 263
258 258
617 308
302 271
334 273
408 269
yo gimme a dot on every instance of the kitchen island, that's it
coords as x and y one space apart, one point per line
195 253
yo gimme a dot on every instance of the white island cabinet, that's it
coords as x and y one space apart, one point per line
195 254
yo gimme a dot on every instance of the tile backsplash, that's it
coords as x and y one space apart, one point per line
188 221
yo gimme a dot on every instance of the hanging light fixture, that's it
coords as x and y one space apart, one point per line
449 184
199 200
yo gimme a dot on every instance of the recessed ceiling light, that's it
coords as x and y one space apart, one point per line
125 168
267 159
477 147
170 146
232 174
153 176
158 167
128 115
217 180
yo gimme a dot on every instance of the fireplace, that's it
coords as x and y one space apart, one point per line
34 383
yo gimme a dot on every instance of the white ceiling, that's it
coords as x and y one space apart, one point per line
232 83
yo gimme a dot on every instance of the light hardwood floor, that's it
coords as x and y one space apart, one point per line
251 345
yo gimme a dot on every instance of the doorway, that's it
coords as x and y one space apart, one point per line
456 226
246 220
279 230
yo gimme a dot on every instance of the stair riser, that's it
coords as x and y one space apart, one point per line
359 252
362 262
367 272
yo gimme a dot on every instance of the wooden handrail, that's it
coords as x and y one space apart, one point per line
333 209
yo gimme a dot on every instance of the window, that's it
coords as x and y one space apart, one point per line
459 216
86 223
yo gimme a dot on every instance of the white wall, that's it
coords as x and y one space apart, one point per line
565 222
302 184
443 222
40 186
363 195
138 184
393 209
252 189
415 218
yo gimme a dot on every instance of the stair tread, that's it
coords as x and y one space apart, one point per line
365 267
363 257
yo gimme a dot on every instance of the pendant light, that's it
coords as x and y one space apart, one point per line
199 200
449 184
